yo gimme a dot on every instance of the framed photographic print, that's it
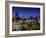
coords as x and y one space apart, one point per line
24 18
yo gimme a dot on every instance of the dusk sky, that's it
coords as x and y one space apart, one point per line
26 11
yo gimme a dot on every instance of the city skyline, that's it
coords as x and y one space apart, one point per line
26 12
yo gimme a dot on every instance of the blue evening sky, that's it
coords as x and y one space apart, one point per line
26 11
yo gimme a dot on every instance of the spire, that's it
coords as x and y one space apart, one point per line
16 14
